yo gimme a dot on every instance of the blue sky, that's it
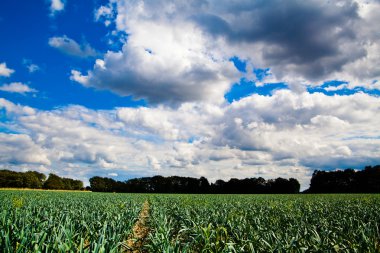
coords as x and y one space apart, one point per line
218 89
28 27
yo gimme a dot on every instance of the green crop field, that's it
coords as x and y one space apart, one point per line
40 221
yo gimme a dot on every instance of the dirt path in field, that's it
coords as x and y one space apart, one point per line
140 230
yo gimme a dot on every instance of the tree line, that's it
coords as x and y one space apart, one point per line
37 180
341 181
346 181
176 184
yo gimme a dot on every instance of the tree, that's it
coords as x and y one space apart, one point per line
29 179
347 181
54 182
33 179
11 179
102 184
294 185
203 186
176 184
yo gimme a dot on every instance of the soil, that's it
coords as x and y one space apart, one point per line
140 231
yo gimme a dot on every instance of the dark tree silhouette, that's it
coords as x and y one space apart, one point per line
37 180
54 182
347 181
30 179
175 184
102 184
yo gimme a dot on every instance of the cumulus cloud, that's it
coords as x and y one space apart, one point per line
163 122
287 134
336 88
153 163
105 14
5 71
12 144
14 109
309 41
300 128
78 77
70 47
33 68
179 52
30 66
17 87
163 61
56 6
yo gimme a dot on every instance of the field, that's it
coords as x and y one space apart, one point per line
39 221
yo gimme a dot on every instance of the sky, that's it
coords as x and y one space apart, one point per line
220 89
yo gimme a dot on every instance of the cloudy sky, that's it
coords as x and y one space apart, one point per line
221 89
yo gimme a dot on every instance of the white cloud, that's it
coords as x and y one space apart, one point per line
71 47
33 68
179 52
287 134
163 122
21 149
78 77
105 14
30 66
5 71
153 163
329 121
17 87
336 88
14 109
163 61
56 6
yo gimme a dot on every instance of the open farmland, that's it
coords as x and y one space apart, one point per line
39 221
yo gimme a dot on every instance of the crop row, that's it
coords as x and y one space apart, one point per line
265 223
65 222
38 221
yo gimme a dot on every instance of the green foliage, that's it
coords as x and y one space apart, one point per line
36 180
40 221
17 202
265 223
30 179
54 182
